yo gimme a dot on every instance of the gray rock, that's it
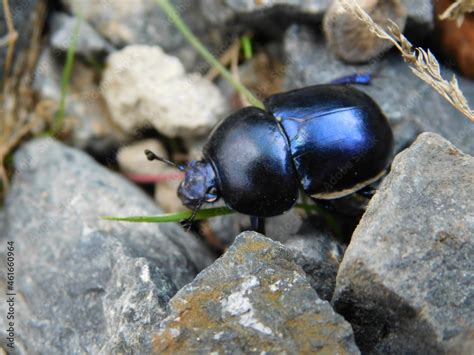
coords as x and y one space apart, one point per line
273 16
253 299
314 247
319 255
406 280
87 285
143 22
222 11
411 105
88 44
420 18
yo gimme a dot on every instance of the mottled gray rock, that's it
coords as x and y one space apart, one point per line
319 255
86 284
143 22
88 43
253 299
314 247
273 16
142 85
406 280
411 105
222 11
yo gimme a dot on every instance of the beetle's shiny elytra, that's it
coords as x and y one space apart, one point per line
330 139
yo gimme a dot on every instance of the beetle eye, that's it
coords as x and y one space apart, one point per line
211 194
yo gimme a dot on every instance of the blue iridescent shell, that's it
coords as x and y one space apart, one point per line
339 138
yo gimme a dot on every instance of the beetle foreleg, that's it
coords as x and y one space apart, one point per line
257 224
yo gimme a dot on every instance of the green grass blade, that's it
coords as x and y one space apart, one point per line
175 217
201 214
246 46
175 18
65 80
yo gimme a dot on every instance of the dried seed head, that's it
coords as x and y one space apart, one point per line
351 39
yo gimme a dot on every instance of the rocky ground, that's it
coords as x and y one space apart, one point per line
391 275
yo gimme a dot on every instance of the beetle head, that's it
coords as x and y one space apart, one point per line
199 184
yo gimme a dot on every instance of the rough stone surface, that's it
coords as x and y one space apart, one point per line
142 85
87 285
406 280
411 105
88 44
319 255
143 22
252 299
273 16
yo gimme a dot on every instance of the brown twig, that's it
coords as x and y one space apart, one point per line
423 64
17 104
12 37
224 59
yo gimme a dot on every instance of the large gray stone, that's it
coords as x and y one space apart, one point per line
87 285
253 299
406 279
411 105
319 255
143 22
272 17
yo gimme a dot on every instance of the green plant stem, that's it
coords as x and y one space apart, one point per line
175 217
175 18
65 80
246 46
201 214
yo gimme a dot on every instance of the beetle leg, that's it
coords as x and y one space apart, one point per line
257 224
360 78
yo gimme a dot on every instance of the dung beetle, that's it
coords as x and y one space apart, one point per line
330 139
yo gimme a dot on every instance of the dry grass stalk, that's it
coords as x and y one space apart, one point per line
422 63
11 37
457 10
16 97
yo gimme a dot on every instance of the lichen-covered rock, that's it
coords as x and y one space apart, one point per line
86 284
406 280
142 85
252 299
411 105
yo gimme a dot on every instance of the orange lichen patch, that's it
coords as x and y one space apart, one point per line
253 299
310 329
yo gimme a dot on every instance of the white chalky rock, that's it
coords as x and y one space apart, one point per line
142 85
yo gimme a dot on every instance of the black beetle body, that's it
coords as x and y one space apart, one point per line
331 139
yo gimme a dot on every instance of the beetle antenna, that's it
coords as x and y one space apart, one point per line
152 156
186 223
